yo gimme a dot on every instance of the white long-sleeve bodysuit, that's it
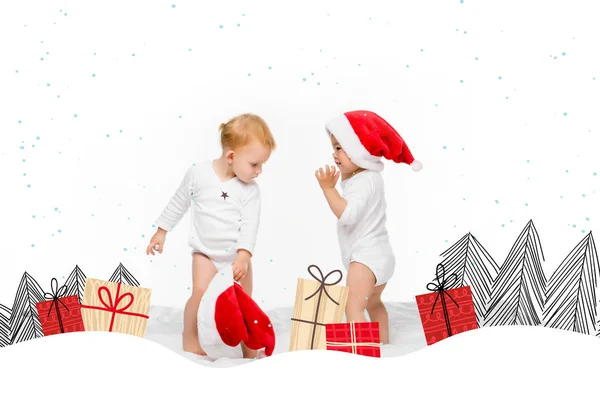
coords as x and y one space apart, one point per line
224 215
361 228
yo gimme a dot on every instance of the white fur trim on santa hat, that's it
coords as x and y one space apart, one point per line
342 130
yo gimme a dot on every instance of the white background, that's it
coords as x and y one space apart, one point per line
497 152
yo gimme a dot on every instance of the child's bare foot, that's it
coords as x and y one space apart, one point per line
192 344
248 353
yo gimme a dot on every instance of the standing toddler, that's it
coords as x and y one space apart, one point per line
359 140
224 200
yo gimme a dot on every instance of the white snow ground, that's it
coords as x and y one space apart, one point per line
166 324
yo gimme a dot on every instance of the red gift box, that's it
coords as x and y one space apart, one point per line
445 313
60 315
361 338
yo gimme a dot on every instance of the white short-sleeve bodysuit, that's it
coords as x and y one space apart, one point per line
361 229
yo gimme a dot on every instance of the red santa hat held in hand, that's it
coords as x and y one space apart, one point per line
238 318
366 137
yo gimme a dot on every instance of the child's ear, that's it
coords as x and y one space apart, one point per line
229 157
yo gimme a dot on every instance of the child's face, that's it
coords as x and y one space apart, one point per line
247 161
342 160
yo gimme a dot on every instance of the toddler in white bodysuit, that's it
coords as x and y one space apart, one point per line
224 201
359 140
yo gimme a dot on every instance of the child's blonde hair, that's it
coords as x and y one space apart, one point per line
242 129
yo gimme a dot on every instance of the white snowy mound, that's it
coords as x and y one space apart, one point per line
495 361
166 324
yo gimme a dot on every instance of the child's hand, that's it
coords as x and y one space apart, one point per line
328 178
240 268
157 242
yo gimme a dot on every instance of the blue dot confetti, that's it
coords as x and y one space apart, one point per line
499 77
565 114
173 6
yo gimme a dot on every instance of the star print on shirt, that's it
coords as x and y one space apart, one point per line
224 195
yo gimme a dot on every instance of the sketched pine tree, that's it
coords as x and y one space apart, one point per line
121 275
76 283
24 321
573 290
4 325
473 267
519 291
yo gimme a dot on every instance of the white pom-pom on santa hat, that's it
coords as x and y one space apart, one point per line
366 137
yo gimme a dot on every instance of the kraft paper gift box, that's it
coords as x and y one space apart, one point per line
115 307
445 313
360 338
318 302
59 314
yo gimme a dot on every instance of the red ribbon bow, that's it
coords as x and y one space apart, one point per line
114 306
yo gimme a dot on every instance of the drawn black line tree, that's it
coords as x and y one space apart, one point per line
474 267
519 292
76 283
24 321
4 325
573 290
121 275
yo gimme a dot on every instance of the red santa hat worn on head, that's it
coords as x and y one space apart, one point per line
366 137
